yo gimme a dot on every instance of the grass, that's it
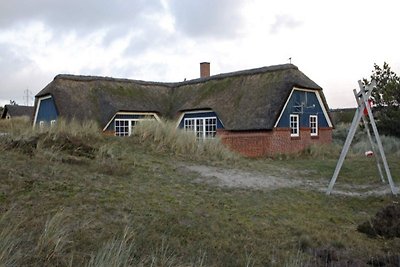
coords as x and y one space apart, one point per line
78 198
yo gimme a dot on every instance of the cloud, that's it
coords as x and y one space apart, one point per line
207 18
77 15
284 22
19 73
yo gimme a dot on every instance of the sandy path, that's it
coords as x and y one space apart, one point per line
235 178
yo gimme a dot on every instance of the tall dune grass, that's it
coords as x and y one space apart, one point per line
361 143
15 126
72 136
54 241
166 137
8 241
118 252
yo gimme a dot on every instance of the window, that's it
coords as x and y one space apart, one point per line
41 124
204 128
294 125
314 125
122 127
52 123
125 127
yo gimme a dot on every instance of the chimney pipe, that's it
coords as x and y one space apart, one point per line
204 69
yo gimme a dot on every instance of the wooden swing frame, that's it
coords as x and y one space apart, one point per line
362 104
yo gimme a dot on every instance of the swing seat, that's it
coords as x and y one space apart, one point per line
369 153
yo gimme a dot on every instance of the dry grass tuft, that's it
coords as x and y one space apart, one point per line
115 253
54 241
8 241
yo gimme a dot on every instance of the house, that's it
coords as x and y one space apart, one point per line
15 111
256 112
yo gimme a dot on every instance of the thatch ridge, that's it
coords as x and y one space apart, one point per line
109 79
176 84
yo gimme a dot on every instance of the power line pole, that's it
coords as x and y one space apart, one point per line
28 97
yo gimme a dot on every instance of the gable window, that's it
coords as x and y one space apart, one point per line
294 125
204 128
125 127
314 125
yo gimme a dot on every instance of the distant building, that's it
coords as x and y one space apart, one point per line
256 112
15 111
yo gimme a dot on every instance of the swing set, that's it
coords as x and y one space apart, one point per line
363 110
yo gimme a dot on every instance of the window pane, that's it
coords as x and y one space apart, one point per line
294 125
121 127
211 127
314 124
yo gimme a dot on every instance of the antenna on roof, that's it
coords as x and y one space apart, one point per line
290 60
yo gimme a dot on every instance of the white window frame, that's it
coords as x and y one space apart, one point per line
313 121
131 125
41 124
202 127
294 129
53 123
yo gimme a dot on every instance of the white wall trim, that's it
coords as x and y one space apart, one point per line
284 107
324 110
38 106
131 113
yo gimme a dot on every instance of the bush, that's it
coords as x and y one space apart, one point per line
386 223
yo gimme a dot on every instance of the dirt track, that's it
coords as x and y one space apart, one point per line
235 178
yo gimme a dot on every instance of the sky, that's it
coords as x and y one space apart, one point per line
335 43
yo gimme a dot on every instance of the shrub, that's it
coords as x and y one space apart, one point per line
386 223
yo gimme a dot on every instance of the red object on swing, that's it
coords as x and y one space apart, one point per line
370 103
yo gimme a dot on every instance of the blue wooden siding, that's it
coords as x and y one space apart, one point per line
127 117
201 115
304 104
47 111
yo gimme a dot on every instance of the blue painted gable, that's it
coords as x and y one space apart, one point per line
204 114
303 103
47 110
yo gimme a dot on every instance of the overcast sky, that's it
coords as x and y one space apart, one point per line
335 43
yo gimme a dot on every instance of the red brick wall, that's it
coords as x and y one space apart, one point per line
269 143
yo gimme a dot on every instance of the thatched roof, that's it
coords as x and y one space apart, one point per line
99 98
243 100
18 111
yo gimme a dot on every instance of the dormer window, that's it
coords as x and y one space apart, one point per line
204 128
